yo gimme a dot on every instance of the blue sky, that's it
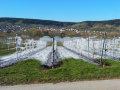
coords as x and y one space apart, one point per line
61 10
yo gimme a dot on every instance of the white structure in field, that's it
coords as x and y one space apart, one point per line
80 45
38 49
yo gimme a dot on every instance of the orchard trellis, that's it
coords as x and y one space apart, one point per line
24 50
88 49
95 48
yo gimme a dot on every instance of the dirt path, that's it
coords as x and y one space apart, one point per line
81 85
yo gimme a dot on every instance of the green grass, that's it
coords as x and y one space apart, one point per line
7 52
59 44
30 71
4 50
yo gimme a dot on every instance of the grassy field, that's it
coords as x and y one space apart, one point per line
7 52
30 71
59 44
4 50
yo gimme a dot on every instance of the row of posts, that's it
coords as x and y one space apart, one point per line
104 48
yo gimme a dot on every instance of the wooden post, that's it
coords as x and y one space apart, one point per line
53 53
101 60
114 47
16 48
88 42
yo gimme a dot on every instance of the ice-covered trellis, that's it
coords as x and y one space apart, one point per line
80 45
18 46
8 41
24 50
111 47
86 49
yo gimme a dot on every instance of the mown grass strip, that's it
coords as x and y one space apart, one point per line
30 71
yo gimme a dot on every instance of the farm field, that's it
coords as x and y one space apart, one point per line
5 47
59 41
79 59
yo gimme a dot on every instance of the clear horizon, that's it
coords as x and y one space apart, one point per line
63 10
60 21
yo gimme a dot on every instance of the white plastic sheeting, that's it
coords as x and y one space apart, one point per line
30 50
80 45
66 54
77 44
42 55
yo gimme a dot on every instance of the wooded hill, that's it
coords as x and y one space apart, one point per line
23 21
108 25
